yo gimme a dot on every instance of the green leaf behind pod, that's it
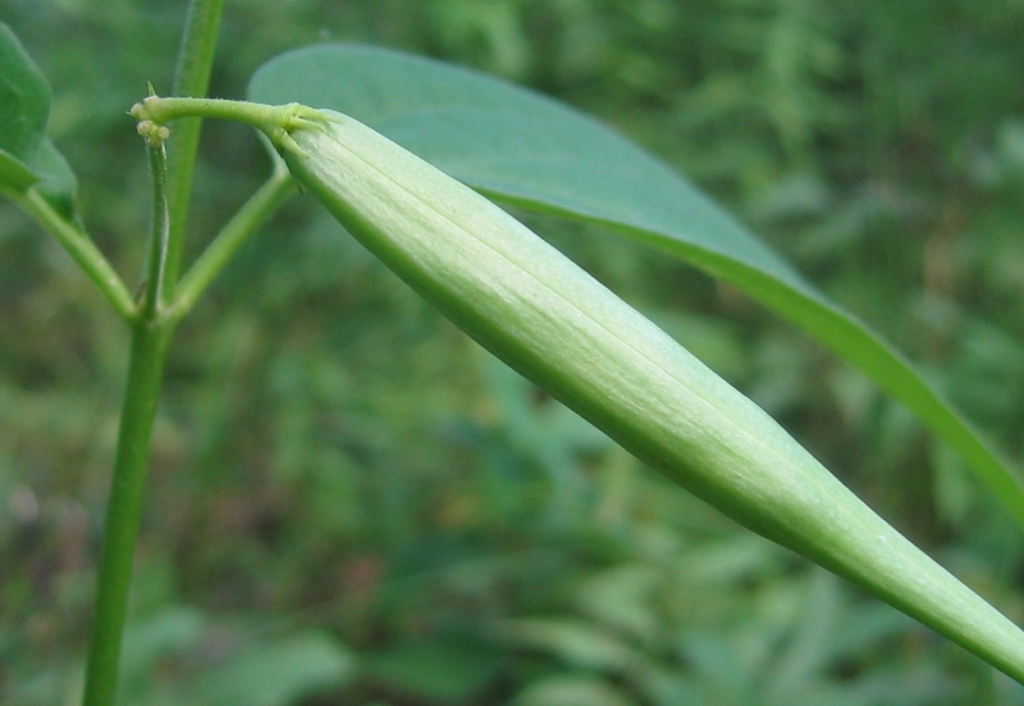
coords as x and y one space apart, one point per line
524 149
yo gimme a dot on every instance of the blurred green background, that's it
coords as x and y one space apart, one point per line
350 503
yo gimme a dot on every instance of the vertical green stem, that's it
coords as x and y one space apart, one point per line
192 78
159 241
151 335
145 372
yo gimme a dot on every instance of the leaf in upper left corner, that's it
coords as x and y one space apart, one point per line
28 159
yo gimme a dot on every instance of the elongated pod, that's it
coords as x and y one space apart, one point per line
551 321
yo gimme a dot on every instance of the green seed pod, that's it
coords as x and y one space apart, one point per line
547 318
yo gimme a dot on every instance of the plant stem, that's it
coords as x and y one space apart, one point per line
192 78
151 335
80 247
152 330
275 121
159 240
150 339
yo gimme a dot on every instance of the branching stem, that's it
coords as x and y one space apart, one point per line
238 230
77 243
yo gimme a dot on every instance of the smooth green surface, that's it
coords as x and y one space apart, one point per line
278 673
124 510
24 97
15 174
58 184
27 157
152 331
526 150
159 244
558 326
191 78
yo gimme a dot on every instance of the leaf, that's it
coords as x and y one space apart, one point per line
58 183
27 157
524 149
443 671
277 673
24 97
576 642
14 173
565 690
623 598
169 631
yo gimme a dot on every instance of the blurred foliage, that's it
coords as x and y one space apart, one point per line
350 503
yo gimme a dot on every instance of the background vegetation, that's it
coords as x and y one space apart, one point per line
352 504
